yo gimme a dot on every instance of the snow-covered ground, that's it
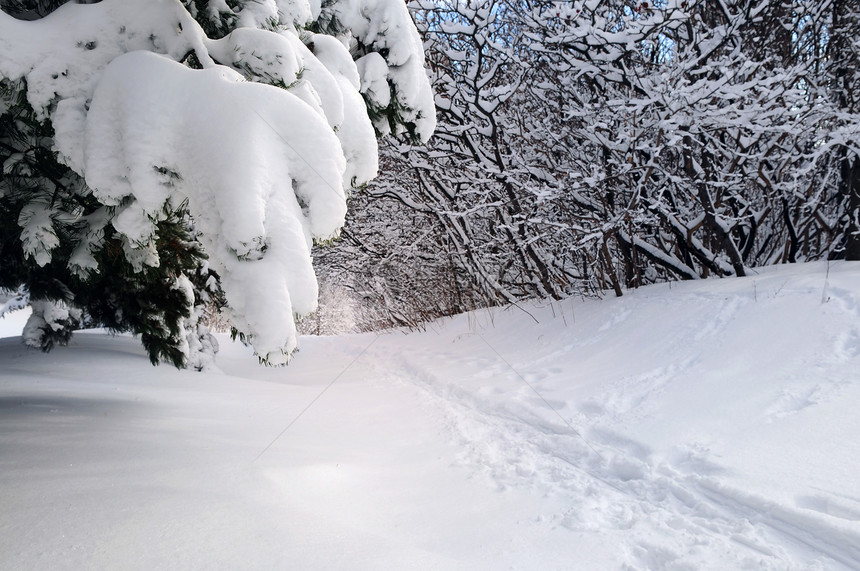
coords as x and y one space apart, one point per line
705 425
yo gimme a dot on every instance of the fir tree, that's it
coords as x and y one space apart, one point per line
105 224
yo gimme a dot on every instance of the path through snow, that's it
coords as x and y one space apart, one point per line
707 425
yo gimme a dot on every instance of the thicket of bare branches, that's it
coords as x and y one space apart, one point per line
595 146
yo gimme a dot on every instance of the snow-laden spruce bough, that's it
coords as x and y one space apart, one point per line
248 125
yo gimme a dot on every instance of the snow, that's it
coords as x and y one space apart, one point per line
387 26
257 217
46 315
707 424
37 232
355 131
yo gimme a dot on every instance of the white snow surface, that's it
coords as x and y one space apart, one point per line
700 425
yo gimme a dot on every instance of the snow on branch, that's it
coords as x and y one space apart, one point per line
260 181
258 130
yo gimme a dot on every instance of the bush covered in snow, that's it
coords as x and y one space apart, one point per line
161 155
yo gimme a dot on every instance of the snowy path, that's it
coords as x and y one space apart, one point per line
507 410
709 425
609 483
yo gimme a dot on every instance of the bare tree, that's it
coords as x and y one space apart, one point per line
596 146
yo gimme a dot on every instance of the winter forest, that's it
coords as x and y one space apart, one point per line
593 147
560 285
579 148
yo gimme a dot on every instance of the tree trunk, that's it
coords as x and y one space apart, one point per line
851 186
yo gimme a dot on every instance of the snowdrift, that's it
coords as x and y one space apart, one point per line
710 424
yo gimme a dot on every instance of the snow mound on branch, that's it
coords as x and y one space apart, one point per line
260 13
159 134
63 55
322 75
354 132
387 26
